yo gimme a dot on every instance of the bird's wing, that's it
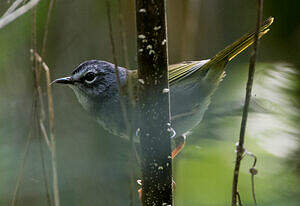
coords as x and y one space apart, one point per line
178 72
182 70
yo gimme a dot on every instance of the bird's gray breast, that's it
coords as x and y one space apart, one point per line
109 115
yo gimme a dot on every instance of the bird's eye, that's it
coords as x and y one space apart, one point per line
89 77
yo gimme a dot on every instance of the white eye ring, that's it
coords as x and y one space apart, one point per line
90 77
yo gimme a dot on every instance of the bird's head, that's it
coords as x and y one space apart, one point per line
93 82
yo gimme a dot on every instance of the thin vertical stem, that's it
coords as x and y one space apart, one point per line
50 107
46 29
130 92
240 146
52 147
46 184
52 138
253 190
27 146
123 107
35 68
122 103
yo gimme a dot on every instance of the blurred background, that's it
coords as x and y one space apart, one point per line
93 165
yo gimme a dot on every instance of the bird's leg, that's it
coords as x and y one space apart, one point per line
179 144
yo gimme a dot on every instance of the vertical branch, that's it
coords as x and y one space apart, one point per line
240 146
154 103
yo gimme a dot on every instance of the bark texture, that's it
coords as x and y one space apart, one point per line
155 128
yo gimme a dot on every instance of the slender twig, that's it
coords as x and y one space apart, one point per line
239 198
125 53
52 145
253 172
130 92
43 163
46 29
34 38
123 36
51 128
44 132
39 127
8 18
13 7
113 43
123 107
27 145
21 170
240 146
252 190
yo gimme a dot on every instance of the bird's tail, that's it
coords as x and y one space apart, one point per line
239 45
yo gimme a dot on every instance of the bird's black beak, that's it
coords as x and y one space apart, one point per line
64 80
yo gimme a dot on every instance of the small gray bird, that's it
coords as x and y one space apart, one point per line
191 87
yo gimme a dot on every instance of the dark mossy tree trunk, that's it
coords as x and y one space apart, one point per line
154 103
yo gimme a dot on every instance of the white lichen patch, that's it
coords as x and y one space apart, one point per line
141 81
164 42
156 28
141 36
142 10
141 50
151 52
166 90
160 168
149 46
139 182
